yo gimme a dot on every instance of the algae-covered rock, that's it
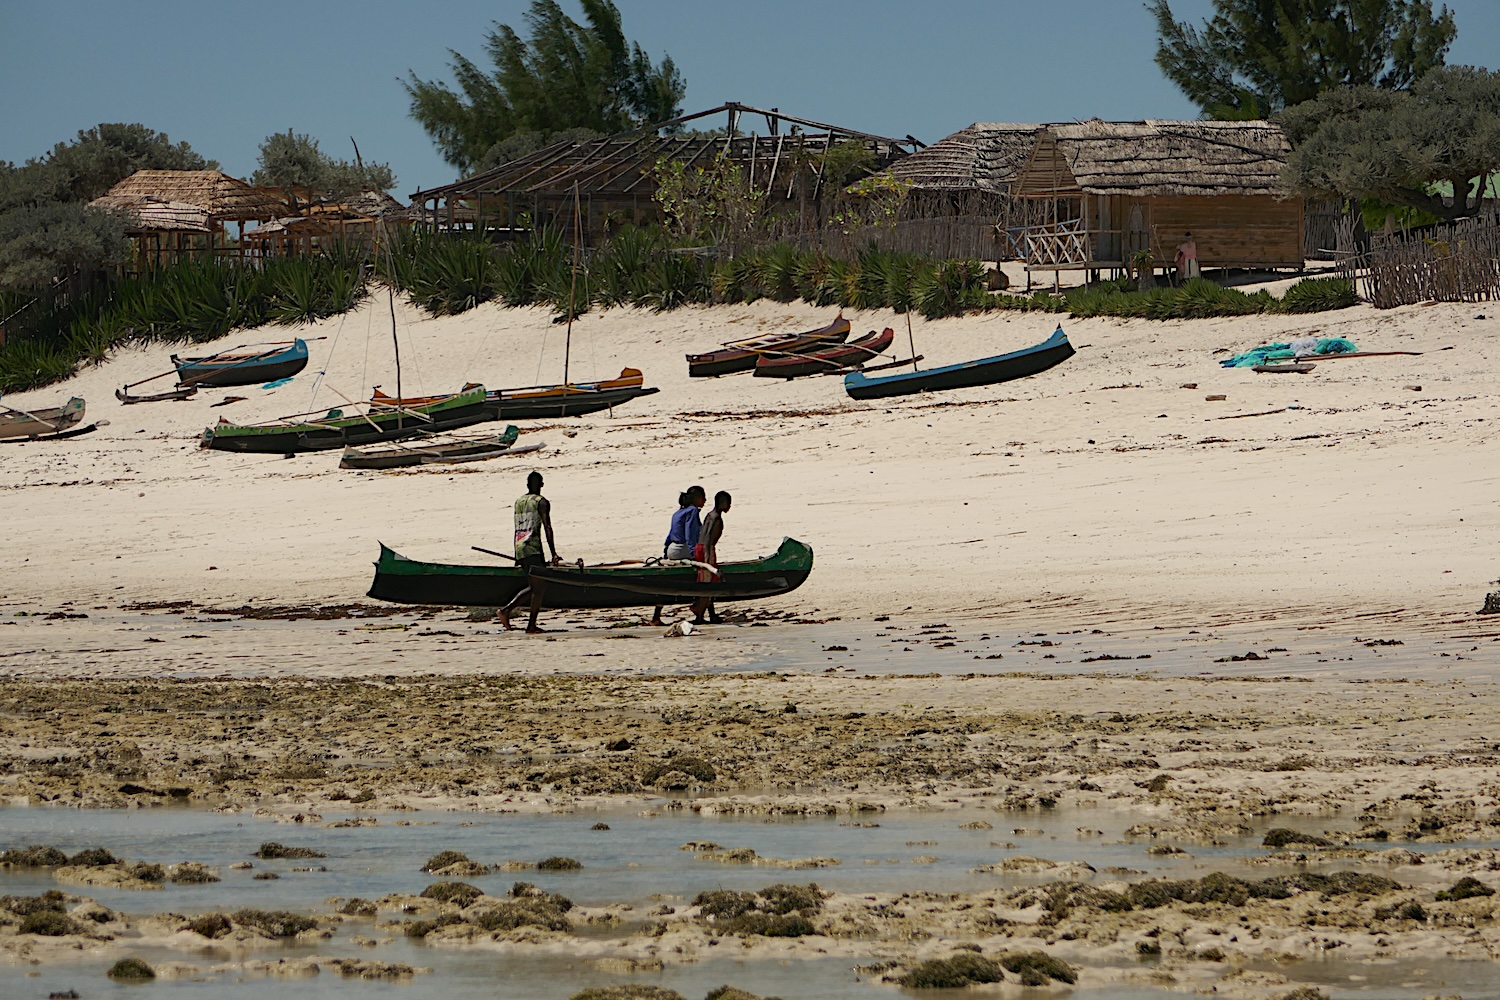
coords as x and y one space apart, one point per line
558 864
275 923
35 856
629 991
271 849
962 969
1037 968
1465 888
131 968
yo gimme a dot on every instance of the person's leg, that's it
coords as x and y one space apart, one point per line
536 606
656 616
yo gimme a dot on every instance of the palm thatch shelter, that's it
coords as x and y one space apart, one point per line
615 176
219 197
1101 192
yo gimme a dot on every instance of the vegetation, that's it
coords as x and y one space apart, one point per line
271 849
211 925
1254 58
35 856
1395 146
964 968
1037 968
1467 887
276 923
460 894
295 164
131 968
565 76
776 911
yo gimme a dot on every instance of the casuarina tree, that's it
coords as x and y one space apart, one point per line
565 76
1255 57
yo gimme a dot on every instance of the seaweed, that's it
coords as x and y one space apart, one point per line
277 923
131 968
1037 968
271 849
963 969
460 894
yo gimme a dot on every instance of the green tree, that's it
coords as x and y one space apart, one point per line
43 243
566 76
1396 146
294 162
1255 57
91 164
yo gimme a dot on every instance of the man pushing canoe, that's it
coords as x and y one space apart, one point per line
533 517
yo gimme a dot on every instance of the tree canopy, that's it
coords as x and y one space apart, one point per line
566 76
1396 146
1255 57
294 162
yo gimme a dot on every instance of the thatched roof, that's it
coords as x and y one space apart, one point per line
365 205
292 225
147 216
1173 157
218 194
984 157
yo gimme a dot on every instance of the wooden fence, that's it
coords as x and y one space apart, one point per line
1453 262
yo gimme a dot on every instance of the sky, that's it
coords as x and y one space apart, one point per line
223 76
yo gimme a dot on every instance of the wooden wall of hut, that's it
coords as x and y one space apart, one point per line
1230 230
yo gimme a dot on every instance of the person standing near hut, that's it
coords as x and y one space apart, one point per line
533 517
1187 259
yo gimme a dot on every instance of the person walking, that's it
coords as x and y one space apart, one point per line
683 535
533 519
1187 259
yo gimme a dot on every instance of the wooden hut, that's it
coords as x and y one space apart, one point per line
163 231
1102 191
615 176
221 199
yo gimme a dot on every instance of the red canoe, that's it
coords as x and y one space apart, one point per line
741 356
824 359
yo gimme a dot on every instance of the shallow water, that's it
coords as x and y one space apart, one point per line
636 859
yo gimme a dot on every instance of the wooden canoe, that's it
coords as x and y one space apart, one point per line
541 402
740 356
409 581
984 371
337 428
820 360
242 369
401 454
44 422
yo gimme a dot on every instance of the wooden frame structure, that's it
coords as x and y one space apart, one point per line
614 175
1098 193
219 197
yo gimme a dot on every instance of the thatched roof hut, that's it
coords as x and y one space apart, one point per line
1102 193
150 216
224 198
983 157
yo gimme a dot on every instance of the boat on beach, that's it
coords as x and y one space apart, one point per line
379 420
46 423
571 399
741 355
821 360
248 368
610 585
985 371
431 449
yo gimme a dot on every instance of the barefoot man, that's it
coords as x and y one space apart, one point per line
708 552
533 517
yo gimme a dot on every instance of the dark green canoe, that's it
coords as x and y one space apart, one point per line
409 581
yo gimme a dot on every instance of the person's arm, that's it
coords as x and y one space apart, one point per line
545 509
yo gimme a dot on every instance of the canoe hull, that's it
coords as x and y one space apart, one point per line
403 457
741 357
819 361
46 422
573 404
408 581
985 371
461 410
242 369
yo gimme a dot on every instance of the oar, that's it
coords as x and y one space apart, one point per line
492 552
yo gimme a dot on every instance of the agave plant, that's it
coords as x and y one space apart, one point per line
676 280
775 271
618 270
30 364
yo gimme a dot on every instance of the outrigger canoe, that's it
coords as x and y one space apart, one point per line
241 369
376 421
985 371
571 400
741 355
428 450
820 360
617 585
43 424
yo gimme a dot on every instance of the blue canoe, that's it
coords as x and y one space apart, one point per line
985 371
248 368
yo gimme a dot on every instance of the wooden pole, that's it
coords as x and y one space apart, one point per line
910 342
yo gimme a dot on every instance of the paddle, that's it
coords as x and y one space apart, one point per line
492 552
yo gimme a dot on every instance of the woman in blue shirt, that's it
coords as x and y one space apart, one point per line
682 538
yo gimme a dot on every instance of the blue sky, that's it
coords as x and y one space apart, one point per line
223 76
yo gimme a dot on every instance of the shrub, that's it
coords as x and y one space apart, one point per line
1037 968
131 968
277 923
963 969
460 894
1319 295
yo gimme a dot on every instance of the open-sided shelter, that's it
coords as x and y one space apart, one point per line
221 199
615 177
1103 191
